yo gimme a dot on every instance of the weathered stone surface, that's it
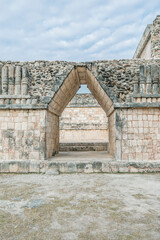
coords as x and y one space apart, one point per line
156 38
83 146
55 168
115 77
144 47
22 134
33 96
83 100
52 172
149 45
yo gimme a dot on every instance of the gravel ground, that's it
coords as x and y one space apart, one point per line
80 206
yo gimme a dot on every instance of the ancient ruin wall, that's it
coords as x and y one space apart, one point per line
52 134
141 134
36 83
83 120
22 134
146 53
144 47
155 38
149 45
130 84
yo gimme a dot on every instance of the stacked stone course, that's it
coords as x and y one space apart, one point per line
83 120
141 134
22 134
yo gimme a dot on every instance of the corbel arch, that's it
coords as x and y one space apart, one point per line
80 75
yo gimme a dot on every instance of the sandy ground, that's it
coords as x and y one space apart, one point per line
80 206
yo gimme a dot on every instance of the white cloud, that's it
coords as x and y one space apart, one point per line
73 30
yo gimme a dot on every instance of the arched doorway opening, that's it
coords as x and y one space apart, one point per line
79 75
83 124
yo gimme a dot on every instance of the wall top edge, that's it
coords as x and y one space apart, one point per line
76 64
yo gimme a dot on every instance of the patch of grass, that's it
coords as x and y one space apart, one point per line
2 219
139 196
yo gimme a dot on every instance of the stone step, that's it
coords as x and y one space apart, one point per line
83 146
96 166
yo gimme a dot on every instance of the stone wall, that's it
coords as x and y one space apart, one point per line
149 45
144 47
155 40
117 77
44 79
34 94
106 81
83 120
112 134
83 100
141 134
146 53
22 134
52 134
28 134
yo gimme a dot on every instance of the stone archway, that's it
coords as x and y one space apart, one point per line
79 75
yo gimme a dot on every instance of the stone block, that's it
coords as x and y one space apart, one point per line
34 167
4 167
97 166
23 166
88 168
105 167
80 167
114 167
71 167
133 169
14 167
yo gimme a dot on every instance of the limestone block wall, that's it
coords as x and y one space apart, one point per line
144 47
52 134
146 53
141 134
22 134
112 133
83 120
83 124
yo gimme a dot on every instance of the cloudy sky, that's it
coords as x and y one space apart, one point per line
73 30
